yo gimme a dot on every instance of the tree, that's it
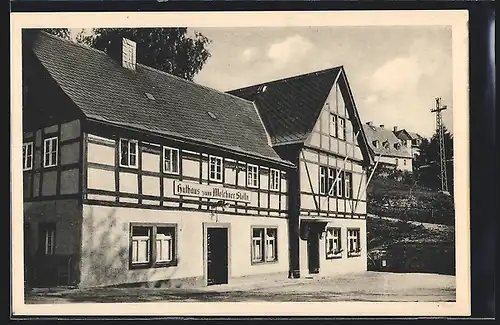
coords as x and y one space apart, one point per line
168 49
60 32
427 164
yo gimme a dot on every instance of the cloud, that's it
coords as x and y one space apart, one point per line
290 49
249 54
397 75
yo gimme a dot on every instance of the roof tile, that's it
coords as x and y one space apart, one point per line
105 91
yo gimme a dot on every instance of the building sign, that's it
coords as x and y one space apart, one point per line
210 192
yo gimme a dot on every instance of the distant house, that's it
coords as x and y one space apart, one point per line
384 144
409 139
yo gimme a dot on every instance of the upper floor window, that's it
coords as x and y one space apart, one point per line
333 125
252 175
275 178
348 184
27 155
170 160
341 128
327 180
215 168
337 127
353 238
50 152
404 162
333 243
128 153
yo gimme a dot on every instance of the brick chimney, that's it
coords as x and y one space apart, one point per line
129 57
369 123
395 128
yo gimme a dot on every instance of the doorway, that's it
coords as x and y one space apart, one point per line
217 255
313 252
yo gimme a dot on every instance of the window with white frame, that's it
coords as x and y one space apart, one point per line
47 236
353 241
332 174
275 179
50 150
333 243
27 155
128 153
257 247
341 184
348 184
341 129
322 179
264 244
171 160
252 175
333 125
271 245
152 246
165 244
326 181
215 168
141 244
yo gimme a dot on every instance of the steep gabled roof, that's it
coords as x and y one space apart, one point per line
407 135
107 92
376 133
291 106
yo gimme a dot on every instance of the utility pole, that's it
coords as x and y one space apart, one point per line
442 154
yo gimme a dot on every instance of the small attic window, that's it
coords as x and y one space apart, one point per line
386 144
261 89
376 143
212 115
149 96
397 146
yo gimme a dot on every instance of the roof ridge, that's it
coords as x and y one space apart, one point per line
145 66
194 83
84 46
290 78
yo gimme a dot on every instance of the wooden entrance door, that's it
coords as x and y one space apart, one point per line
217 256
313 252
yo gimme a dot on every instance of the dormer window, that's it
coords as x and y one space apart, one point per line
397 146
386 144
376 143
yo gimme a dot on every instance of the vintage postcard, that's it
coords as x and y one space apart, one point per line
240 163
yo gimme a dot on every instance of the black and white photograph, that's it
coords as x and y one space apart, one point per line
202 160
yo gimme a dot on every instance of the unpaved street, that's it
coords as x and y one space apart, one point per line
369 286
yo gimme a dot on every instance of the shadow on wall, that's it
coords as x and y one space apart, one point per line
105 255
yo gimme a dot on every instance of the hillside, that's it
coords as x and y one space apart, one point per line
395 194
385 231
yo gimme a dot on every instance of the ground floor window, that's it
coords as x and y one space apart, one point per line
353 240
47 238
264 244
333 243
152 245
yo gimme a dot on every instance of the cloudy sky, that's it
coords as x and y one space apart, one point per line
394 72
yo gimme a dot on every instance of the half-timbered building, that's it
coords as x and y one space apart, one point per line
313 122
132 175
